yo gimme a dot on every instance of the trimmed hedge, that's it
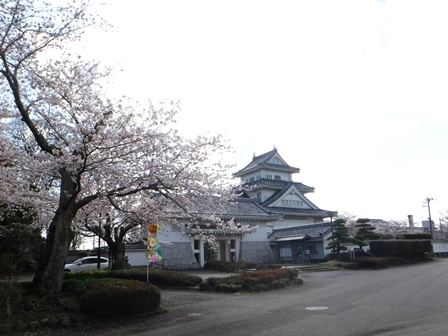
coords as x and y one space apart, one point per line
419 235
171 278
156 276
119 297
343 256
228 266
408 249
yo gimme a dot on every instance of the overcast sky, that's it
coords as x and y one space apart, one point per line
355 93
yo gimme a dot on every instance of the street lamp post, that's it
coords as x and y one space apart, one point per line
429 214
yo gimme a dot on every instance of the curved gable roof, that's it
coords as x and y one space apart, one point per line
290 186
276 184
249 209
266 161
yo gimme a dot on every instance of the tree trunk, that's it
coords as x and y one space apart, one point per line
50 269
119 260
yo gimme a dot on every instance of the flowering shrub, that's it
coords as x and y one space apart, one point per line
253 281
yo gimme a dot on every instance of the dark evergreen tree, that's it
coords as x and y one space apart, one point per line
340 236
20 245
365 232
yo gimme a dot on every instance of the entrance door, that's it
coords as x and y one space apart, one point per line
226 250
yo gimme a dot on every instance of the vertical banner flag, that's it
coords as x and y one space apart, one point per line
154 252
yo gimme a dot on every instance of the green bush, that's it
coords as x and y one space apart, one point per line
371 262
418 235
253 281
228 266
378 263
172 278
119 297
343 256
157 277
96 274
408 249
77 287
267 266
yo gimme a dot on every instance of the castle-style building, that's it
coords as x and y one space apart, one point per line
268 179
288 227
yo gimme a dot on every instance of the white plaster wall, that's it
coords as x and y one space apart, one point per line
137 257
284 223
259 234
440 246
265 194
172 233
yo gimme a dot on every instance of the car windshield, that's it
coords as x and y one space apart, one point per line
76 261
92 260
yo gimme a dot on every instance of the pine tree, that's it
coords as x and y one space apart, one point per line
365 232
339 236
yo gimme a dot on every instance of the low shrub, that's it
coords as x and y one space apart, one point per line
279 273
228 266
172 278
253 281
77 287
267 266
378 263
370 262
119 297
97 274
156 276
343 256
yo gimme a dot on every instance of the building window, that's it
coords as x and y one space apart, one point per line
252 179
277 177
259 197
176 228
269 176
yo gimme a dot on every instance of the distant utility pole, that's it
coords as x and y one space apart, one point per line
429 214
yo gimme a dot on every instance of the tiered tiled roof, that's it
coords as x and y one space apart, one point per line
263 161
248 209
313 230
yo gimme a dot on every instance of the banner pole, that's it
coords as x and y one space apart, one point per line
154 253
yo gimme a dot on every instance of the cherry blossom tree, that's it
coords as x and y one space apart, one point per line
393 227
350 220
89 151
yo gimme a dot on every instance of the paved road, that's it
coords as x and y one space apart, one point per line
409 300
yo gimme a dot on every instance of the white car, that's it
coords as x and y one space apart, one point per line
86 264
